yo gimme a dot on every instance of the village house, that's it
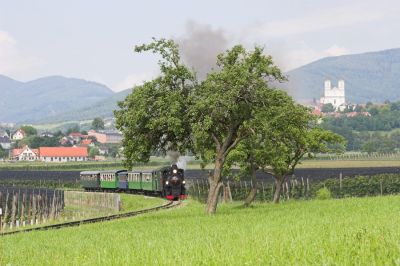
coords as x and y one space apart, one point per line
76 136
25 154
46 134
19 134
63 154
5 142
86 143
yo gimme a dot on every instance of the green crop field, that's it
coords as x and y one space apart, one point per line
352 231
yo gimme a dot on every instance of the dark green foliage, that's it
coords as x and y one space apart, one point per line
300 188
29 130
361 131
3 153
361 186
35 142
73 128
154 116
327 108
98 123
93 151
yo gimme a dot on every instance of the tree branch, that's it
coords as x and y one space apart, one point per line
217 143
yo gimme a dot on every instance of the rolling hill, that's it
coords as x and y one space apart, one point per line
102 108
34 100
373 76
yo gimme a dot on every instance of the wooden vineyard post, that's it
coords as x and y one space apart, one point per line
340 183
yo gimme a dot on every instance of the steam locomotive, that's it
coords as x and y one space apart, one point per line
168 182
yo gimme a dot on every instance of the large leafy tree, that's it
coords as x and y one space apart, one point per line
154 116
225 104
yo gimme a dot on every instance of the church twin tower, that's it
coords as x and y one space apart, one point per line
334 95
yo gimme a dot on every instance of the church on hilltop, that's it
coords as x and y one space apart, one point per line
335 95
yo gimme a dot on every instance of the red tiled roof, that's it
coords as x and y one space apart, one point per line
86 142
17 152
76 134
63 152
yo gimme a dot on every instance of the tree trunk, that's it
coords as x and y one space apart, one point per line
250 197
212 201
253 192
215 185
278 186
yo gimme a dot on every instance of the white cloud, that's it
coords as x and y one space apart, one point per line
133 80
315 21
12 61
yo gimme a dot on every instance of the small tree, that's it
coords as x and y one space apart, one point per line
93 151
73 128
97 123
327 108
3 153
277 145
29 130
286 140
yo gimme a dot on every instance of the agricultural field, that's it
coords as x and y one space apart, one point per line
351 231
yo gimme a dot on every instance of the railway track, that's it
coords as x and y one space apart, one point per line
168 205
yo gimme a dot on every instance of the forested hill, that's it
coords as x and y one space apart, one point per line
102 108
34 100
369 77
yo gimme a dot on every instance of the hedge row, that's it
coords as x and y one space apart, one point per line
294 188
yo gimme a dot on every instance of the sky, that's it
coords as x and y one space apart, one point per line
94 39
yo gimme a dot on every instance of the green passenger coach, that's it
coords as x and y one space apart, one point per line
109 179
90 179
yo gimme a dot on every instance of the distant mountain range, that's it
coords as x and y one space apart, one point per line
371 76
368 77
50 96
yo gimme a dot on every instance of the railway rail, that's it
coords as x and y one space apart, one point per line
168 205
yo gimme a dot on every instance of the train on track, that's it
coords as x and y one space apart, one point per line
168 182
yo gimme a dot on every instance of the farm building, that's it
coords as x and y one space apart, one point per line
110 137
63 154
25 154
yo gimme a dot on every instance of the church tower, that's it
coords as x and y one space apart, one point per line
335 95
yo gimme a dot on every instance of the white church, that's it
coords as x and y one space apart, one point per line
335 95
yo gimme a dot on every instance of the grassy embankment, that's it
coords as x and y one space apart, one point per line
353 231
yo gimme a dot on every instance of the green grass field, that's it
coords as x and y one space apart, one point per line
353 231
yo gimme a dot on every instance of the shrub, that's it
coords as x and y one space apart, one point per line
323 194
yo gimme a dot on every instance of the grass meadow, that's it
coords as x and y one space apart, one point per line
352 231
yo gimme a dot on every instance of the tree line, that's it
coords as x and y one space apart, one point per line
375 133
232 117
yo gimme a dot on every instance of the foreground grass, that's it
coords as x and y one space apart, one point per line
358 231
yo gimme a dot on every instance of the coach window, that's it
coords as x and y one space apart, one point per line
147 176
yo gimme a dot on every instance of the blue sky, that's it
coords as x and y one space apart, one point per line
94 39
